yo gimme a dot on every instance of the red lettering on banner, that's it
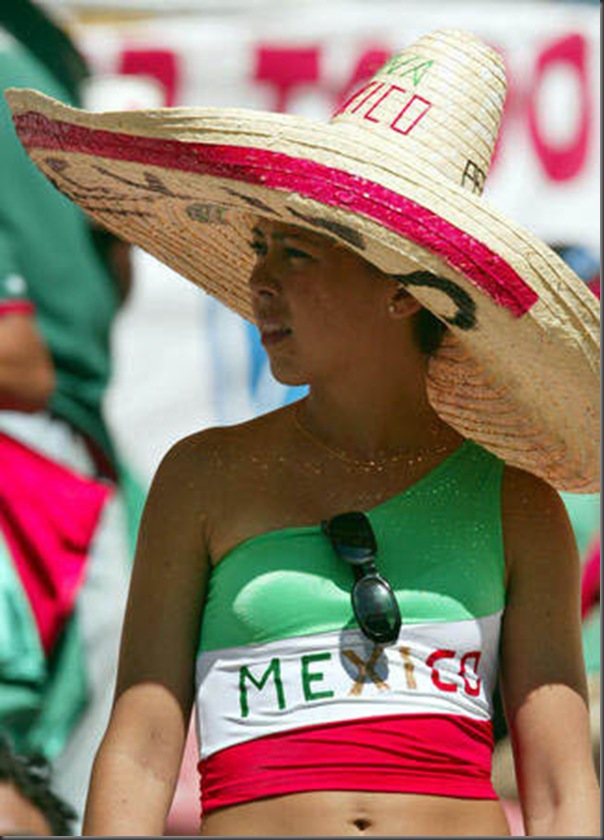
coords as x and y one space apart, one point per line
160 64
286 68
563 162
509 109
435 676
471 688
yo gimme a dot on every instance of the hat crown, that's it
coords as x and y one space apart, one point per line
441 99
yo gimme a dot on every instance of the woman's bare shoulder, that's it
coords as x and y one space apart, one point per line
218 452
535 521
526 496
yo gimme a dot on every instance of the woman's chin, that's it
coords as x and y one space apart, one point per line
287 376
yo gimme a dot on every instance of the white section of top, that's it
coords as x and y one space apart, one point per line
446 668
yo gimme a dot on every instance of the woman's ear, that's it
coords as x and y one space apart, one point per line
402 304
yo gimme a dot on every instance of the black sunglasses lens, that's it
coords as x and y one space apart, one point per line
376 609
373 600
352 536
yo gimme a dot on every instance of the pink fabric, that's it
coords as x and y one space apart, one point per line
443 755
513 814
594 285
590 579
335 187
183 818
48 515
16 307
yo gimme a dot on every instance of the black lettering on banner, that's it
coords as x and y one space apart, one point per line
465 317
348 234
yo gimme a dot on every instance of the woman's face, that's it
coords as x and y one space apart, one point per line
317 304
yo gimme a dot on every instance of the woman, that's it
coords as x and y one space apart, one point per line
340 582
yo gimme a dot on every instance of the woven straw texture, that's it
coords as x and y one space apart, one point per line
397 176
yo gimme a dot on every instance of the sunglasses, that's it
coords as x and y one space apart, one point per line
373 600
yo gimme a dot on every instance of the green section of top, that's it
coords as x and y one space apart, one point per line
47 257
440 545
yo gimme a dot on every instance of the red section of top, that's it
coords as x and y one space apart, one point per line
276 170
439 755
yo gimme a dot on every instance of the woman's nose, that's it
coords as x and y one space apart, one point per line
262 280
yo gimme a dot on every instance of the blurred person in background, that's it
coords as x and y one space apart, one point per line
66 522
28 804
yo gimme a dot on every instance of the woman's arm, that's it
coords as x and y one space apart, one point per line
27 373
543 674
137 765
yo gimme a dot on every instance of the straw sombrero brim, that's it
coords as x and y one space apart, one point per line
519 369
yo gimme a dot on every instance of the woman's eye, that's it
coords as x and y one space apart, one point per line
259 248
297 254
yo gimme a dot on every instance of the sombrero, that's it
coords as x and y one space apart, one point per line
397 176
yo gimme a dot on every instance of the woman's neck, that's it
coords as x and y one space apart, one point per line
371 419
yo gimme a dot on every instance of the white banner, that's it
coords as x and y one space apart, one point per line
182 361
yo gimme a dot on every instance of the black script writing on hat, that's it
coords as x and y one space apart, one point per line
152 183
474 176
348 234
253 201
206 213
465 317
60 166
97 199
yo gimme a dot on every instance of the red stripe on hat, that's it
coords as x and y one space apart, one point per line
276 170
441 755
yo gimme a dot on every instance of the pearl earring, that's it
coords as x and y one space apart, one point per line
392 307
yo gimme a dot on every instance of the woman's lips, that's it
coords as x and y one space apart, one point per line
272 332
274 335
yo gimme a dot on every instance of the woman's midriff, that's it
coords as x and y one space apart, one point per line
350 813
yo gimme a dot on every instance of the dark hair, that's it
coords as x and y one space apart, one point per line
31 776
429 331
50 44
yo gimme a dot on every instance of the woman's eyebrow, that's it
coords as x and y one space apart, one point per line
279 235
